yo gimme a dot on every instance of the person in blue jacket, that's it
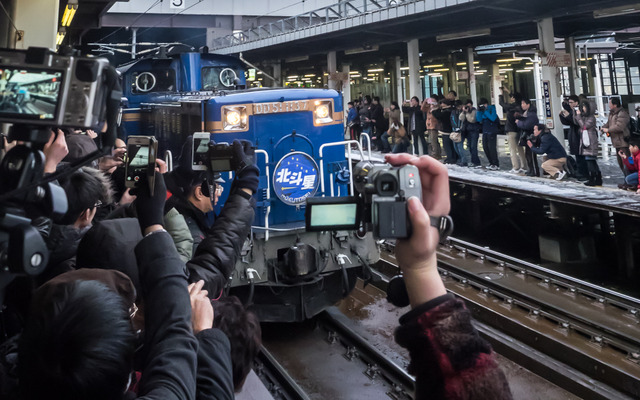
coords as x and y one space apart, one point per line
549 145
487 117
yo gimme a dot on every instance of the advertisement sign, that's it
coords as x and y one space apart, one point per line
295 178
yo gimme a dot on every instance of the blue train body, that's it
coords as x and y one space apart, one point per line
287 273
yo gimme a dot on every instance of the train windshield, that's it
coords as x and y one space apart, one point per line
157 80
218 78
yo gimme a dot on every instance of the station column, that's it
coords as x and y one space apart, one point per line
332 68
550 113
38 22
398 83
472 77
346 88
277 73
413 50
574 70
496 83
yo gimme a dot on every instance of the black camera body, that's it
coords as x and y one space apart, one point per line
214 157
221 157
379 207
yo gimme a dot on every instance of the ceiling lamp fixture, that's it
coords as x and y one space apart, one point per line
464 35
69 13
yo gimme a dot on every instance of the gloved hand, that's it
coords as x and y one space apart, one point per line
150 207
247 171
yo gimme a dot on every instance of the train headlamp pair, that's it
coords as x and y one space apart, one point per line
234 118
323 113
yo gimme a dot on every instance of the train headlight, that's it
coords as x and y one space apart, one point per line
234 118
323 113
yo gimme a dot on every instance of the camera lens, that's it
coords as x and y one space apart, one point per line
386 184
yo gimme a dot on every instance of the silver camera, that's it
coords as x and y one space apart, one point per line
39 87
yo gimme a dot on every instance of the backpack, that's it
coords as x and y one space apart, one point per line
571 166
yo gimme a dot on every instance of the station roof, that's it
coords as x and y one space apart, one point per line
509 21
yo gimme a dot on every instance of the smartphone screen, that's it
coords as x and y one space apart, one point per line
200 151
138 157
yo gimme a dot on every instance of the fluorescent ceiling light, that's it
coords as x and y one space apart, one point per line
433 66
506 60
441 70
523 70
617 11
464 63
376 70
354 73
464 35
404 68
69 13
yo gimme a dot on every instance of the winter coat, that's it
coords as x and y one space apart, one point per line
415 114
527 121
632 163
392 115
448 357
431 121
377 114
471 125
365 115
587 123
215 256
444 117
63 244
489 120
618 124
510 109
399 134
550 146
575 131
353 117
177 227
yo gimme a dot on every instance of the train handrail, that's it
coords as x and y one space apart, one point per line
168 158
347 143
266 216
368 143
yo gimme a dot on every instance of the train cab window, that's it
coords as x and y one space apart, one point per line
157 80
218 78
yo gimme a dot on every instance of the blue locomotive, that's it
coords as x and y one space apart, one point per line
286 273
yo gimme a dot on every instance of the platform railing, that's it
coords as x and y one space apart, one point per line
365 135
334 12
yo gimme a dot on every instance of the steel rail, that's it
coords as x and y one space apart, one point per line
276 378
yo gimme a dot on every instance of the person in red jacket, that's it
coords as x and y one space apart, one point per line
448 357
633 165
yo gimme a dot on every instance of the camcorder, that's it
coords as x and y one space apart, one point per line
380 205
140 163
41 91
214 157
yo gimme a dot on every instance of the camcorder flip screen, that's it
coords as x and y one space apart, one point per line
331 214
29 94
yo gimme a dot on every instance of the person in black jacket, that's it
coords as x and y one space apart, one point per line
416 125
567 116
379 122
443 114
518 157
549 145
79 343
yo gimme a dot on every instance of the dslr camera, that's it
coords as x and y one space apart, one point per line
379 206
41 90
215 157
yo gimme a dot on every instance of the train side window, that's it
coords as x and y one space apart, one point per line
157 80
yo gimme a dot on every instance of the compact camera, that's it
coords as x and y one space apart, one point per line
39 87
380 205
216 157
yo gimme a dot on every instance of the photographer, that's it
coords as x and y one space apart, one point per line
443 114
472 129
417 125
448 357
516 151
525 122
568 117
549 145
79 341
487 117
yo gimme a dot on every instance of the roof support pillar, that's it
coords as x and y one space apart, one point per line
472 76
551 113
413 51
496 83
574 70
38 20
398 83
346 88
277 73
332 67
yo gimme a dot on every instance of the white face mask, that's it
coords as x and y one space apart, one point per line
394 126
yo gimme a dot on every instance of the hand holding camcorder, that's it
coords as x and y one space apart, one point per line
220 157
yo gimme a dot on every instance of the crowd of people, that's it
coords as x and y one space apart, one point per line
132 303
445 124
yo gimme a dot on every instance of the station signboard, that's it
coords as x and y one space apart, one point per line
548 111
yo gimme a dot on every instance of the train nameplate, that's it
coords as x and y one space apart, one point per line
280 107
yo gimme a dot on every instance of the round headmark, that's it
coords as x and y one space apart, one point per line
295 178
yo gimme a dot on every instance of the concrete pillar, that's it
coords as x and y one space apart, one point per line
277 73
496 82
332 67
453 78
549 74
537 83
597 86
398 83
472 76
346 89
574 70
38 20
413 52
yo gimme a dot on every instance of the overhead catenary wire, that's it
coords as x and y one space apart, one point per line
170 17
132 23
9 17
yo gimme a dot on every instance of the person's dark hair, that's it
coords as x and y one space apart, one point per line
458 103
368 99
575 98
78 345
633 141
541 127
243 330
616 102
586 104
84 188
395 104
416 98
469 101
483 100
526 101
434 96
376 99
350 103
455 94
517 97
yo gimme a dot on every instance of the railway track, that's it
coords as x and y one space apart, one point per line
580 336
331 359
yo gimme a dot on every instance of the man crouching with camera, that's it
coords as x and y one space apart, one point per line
448 357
